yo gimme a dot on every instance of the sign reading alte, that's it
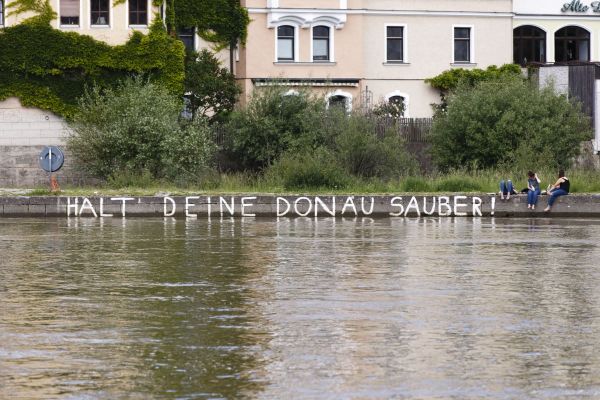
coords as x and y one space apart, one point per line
579 7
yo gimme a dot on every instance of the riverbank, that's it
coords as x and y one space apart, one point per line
255 205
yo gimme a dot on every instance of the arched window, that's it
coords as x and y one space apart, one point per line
397 106
321 43
529 45
340 99
572 43
285 43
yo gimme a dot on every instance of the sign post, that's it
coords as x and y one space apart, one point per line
51 160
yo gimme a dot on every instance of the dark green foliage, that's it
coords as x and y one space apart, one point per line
312 169
272 123
211 90
49 68
136 128
507 121
363 153
223 22
304 145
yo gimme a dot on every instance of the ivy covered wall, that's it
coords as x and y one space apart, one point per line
49 69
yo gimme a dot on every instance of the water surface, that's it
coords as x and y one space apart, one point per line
299 308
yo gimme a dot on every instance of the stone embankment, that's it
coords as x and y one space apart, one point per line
203 206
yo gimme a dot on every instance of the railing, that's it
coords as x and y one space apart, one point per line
413 130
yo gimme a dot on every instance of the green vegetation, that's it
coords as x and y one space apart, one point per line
507 122
50 69
450 79
299 143
211 90
136 129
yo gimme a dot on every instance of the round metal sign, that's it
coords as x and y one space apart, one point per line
51 159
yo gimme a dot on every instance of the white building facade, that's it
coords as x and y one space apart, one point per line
562 34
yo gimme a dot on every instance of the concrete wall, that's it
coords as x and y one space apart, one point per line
297 206
24 132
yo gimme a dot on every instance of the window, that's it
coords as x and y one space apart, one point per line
321 43
69 12
462 45
186 35
337 101
340 99
285 43
396 106
1 12
395 44
529 45
100 12
138 12
572 43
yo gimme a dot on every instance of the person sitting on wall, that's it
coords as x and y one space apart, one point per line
533 184
560 188
506 189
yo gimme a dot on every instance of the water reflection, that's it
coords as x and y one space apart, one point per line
299 308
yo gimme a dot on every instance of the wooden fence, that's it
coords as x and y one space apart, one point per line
412 130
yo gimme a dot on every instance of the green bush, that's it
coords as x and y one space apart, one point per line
308 170
504 122
273 122
137 127
363 153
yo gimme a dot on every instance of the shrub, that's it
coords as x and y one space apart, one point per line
506 121
308 170
273 122
136 127
363 153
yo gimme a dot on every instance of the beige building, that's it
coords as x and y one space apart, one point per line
362 52
97 18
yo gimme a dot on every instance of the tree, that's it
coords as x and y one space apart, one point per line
211 91
507 121
136 128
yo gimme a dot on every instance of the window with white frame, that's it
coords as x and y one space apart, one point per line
1 12
100 12
462 44
286 45
321 43
138 12
397 106
394 44
69 12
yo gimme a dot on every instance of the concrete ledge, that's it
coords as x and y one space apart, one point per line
202 206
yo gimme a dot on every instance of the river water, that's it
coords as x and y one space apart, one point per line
299 308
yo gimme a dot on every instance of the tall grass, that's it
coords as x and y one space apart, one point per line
459 181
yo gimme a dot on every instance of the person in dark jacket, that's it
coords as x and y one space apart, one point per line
560 188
